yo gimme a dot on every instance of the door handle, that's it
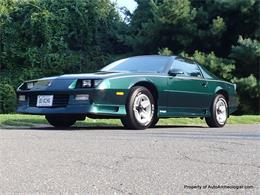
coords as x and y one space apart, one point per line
204 83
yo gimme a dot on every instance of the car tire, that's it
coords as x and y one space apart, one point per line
219 112
125 123
60 121
155 121
139 108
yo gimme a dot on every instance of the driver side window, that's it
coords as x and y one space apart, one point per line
186 68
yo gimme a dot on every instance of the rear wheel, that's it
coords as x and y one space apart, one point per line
139 108
219 112
60 121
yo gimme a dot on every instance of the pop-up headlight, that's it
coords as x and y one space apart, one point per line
30 85
90 83
86 83
97 82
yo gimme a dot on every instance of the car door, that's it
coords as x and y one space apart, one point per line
187 89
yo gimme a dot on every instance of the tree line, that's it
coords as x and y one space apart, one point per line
51 37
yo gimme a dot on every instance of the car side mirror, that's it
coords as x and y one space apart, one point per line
175 72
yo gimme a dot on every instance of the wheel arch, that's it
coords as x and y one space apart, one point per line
150 86
224 93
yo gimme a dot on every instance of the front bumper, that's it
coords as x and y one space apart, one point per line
99 107
24 108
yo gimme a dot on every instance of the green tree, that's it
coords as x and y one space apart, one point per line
41 38
221 67
167 23
247 56
249 94
140 27
221 22
7 99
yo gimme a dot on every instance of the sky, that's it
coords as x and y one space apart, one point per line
129 4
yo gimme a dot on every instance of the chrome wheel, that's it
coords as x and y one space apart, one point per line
221 111
143 109
140 109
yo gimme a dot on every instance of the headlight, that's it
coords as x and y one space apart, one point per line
22 98
86 83
30 85
97 82
43 83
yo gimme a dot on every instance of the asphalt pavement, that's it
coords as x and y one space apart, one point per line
162 160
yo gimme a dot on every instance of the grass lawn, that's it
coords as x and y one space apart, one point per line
18 120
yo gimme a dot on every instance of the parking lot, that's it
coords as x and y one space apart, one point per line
162 160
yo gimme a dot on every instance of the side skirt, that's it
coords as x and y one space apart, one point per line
165 112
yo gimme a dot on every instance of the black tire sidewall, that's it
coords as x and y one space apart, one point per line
60 121
155 121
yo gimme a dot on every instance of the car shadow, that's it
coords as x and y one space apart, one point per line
40 124
86 128
178 131
178 126
30 125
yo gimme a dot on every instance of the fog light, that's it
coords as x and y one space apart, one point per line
21 98
82 97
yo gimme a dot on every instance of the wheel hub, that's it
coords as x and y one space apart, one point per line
221 111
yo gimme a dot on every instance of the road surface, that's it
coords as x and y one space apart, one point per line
162 160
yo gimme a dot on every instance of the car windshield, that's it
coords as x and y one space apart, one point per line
139 64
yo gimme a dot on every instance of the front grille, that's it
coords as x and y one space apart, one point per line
59 100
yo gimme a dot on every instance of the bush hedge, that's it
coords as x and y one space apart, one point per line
7 99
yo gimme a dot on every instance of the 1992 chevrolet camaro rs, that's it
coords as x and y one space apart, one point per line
138 90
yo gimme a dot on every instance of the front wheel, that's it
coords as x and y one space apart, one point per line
154 123
140 109
219 112
60 121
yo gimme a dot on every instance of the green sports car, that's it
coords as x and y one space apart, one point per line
138 90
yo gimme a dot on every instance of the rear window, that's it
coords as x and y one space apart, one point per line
207 74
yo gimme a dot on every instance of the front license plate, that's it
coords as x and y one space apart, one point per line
44 100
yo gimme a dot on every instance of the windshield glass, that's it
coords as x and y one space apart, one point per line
139 64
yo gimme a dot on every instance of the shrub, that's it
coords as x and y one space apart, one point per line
165 52
7 99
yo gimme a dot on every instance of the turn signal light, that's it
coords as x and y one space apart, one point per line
120 93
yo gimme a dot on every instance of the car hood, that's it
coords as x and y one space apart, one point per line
96 75
64 81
